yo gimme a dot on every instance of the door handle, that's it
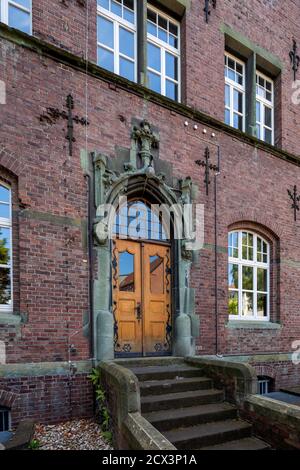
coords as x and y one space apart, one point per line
138 312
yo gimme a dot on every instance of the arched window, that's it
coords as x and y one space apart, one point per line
5 249
140 221
248 276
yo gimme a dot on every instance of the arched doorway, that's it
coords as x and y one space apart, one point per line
142 280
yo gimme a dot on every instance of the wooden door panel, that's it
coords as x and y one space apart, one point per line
156 298
127 297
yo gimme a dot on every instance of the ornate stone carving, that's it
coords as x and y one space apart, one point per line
145 140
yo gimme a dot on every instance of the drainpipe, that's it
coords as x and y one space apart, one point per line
90 190
216 255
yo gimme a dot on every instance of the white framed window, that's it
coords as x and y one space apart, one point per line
6 299
17 14
263 385
264 108
235 92
163 54
248 276
116 37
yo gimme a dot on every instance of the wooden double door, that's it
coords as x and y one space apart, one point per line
142 298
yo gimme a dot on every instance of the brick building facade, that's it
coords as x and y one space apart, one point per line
54 323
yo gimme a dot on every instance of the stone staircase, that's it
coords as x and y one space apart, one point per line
183 405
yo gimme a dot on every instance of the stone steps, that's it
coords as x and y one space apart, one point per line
180 400
161 387
195 437
165 420
183 405
248 443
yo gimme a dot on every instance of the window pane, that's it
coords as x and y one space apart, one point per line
5 211
5 245
154 57
258 111
247 278
116 7
103 3
163 35
247 304
262 305
128 15
258 135
129 4
157 273
173 29
126 43
239 68
227 96
5 286
19 19
171 90
23 3
151 15
268 136
105 59
268 117
262 277
233 276
152 29
227 117
127 69
238 121
105 31
233 303
154 82
238 101
4 194
171 66
173 41
162 22
126 272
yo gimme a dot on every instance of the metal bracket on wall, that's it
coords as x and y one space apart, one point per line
295 59
53 114
207 8
208 167
295 197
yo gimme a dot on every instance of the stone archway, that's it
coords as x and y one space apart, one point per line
134 172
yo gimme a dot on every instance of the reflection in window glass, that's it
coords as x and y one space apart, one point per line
126 272
234 92
248 276
163 54
5 248
157 275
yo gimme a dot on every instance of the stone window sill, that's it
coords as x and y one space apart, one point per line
252 325
10 318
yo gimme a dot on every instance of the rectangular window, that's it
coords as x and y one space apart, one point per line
264 108
163 53
17 14
5 249
263 385
116 37
234 92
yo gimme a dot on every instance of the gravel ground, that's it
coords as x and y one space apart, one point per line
82 434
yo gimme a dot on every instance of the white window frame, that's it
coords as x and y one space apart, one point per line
255 265
240 88
263 383
166 48
262 103
7 223
4 11
117 23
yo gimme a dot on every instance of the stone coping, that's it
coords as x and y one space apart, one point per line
252 325
44 368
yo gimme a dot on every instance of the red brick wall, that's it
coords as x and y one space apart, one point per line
47 399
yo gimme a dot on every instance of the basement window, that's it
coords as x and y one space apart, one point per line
264 385
17 14
4 419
